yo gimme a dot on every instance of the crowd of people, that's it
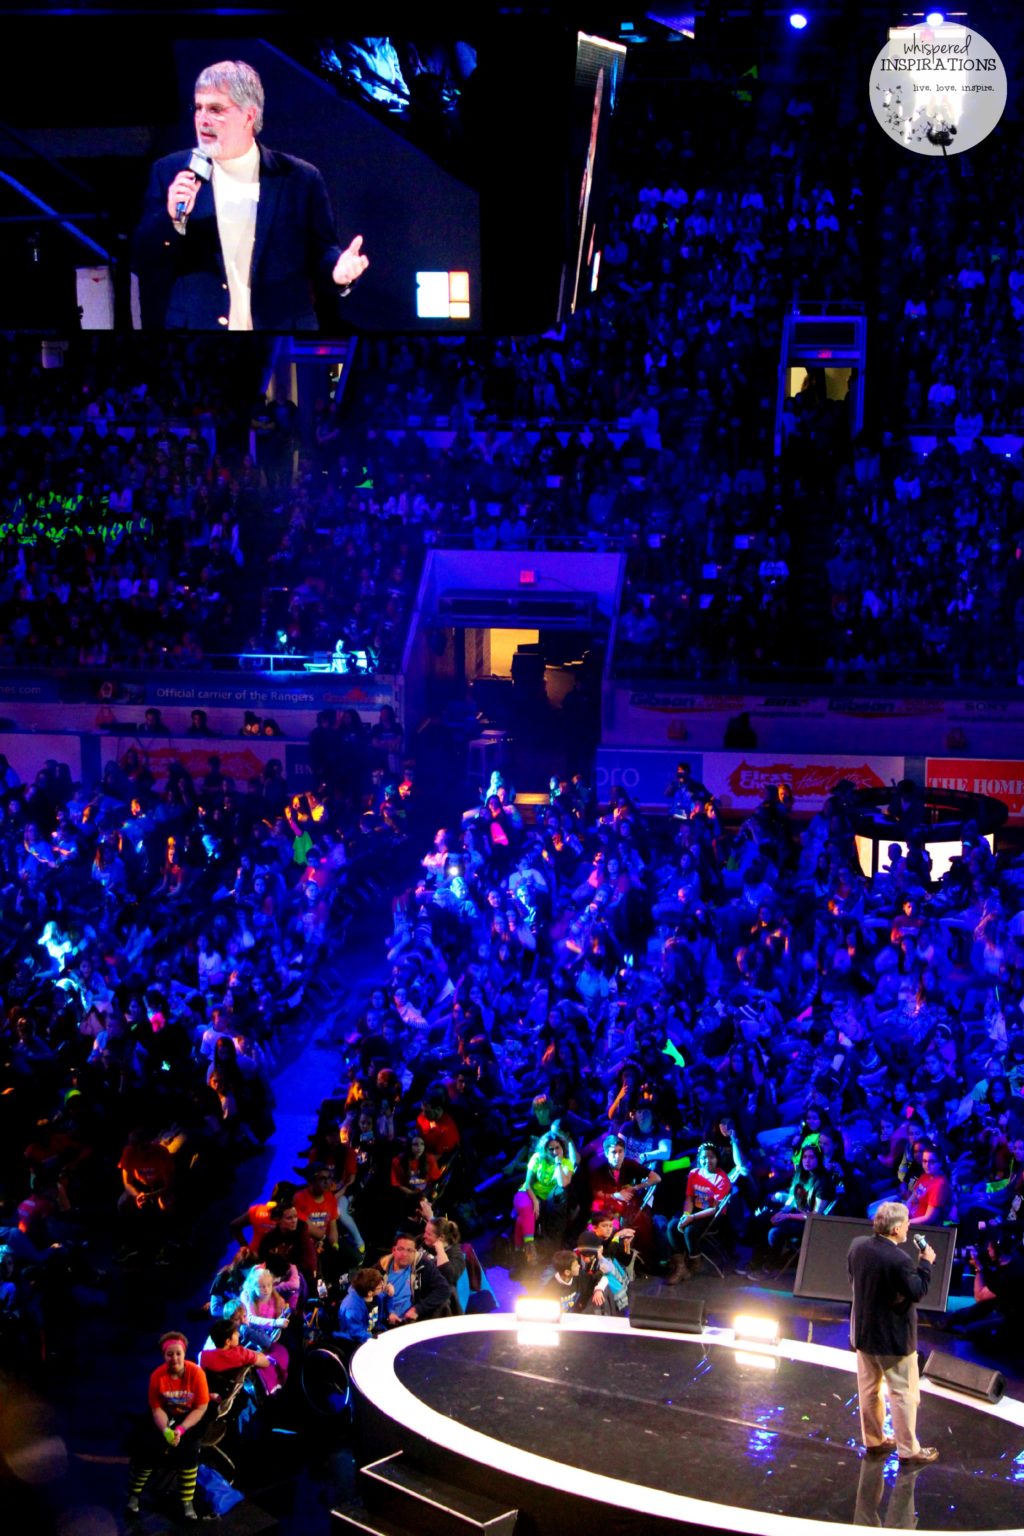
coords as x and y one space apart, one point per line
599 1043
644 423
158 938
140 518
600 1046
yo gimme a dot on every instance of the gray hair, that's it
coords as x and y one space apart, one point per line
889 1217
240 81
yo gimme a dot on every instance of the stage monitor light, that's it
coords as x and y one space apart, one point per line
797 20
755 1330
537 1309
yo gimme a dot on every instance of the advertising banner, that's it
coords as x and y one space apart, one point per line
1001 778
644 775
738 779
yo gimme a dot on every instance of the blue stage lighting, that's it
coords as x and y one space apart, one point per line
935 18
797 20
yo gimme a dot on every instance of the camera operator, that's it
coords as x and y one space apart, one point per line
998 1309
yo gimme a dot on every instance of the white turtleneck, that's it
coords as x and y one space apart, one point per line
236 191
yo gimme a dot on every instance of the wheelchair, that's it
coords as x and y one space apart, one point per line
323 1372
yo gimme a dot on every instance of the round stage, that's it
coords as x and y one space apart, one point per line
631 1430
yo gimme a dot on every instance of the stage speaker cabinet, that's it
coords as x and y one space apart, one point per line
962 1376
670 1314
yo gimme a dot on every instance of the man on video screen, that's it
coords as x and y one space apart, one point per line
236 236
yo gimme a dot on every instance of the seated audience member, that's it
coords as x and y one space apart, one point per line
708 1190
564 1285
441 1243
290 1237
414 1172
414 1286
609 1280
807 1192
438 1129
147 1196
265 1315
318 1208
228 1355
544 1196
930 1197
358 1313
618 1186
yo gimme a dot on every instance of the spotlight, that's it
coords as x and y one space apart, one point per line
934 19
755 1330
797 20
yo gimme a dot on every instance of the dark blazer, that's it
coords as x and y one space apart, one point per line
183 284
886 1283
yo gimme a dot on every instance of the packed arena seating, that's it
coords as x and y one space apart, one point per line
739 986
158 937
751 990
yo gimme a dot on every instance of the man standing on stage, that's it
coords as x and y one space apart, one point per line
886 1284
244 244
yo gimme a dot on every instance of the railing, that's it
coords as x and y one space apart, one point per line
902 682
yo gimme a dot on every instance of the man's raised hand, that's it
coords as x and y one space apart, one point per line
350 264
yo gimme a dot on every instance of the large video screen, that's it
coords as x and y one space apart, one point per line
229 203
238 173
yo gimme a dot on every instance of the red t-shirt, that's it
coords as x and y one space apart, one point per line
930 1196
441 1136
428 1173
233 1357
707 1189
148 1168
178 1395
317 1215
261 1222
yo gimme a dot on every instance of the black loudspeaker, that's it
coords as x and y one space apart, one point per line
826 1240
961 1376
671 1314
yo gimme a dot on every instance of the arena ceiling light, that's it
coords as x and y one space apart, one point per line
798 20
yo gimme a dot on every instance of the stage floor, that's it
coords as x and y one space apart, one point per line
691 1417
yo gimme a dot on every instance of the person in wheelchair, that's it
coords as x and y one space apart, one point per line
228 1355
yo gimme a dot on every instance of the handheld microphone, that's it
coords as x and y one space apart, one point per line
200 165
920 1243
